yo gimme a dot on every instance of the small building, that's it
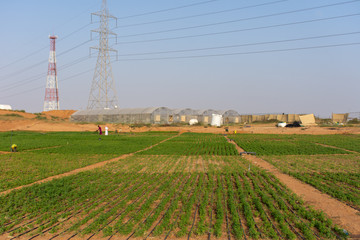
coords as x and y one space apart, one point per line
5 107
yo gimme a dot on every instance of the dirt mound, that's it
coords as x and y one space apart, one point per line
11 113
64 114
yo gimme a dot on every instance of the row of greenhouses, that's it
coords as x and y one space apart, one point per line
156 115
164 115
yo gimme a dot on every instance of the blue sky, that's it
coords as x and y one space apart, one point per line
264 56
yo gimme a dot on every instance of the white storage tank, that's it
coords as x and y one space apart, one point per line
193 121
5 107
282 124
216 120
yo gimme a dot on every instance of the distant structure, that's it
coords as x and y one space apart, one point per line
51 91
5 107
103 93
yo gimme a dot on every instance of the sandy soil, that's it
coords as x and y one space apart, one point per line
339 212
63 114
23 114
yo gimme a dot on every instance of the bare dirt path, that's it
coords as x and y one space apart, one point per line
87 168
341 214
324 145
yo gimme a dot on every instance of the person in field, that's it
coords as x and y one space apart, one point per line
13 148
100 131
106 131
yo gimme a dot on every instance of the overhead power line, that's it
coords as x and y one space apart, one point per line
241 30
45 47
168 9
42 62
82 59
72 33
203 14
24 57
40 87
23 82
22 70
40 76
77 46
238 20
204 56
243 53
243 45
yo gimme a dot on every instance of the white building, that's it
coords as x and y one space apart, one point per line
5 107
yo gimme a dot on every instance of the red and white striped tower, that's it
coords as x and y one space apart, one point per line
51 92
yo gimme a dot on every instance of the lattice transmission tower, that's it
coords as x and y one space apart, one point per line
51 101
103 93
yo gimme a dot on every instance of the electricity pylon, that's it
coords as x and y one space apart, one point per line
103 93
51 101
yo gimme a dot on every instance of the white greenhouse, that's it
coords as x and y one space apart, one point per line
155 115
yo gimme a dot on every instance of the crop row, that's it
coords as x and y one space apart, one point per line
349 142
25 168
81 142
164 197
272 144
334 175
68 151
194 144
68 192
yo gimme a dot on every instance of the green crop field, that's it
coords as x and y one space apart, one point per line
195 144
87 142
133 196
331 174
275 144
349 142
192 186
43 155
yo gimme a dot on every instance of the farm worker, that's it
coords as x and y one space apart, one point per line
106 131
235 131
100 131
13 148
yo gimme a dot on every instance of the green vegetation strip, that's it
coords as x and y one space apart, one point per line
81 142
44 155
194 144
25 168
345 141
276 144
331 174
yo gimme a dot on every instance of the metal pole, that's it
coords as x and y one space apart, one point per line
11 139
